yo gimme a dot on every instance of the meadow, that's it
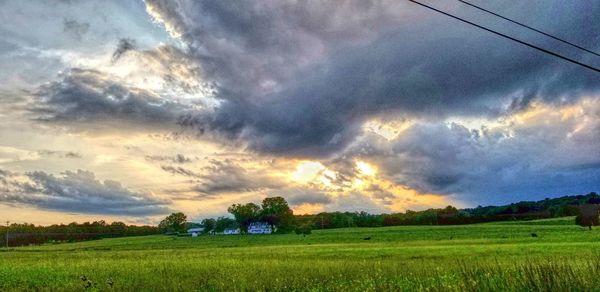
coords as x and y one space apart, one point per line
559 256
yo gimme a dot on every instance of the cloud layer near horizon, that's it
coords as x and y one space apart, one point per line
78 192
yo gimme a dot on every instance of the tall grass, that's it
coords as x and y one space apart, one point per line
463 258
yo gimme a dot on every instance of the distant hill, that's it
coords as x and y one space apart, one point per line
557 207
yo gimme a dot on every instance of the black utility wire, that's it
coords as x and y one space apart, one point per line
529 27
509 37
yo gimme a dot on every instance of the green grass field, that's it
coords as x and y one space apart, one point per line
491 256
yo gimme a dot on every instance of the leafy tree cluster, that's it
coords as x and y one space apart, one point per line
26 234
177 223
275 211
219 224
174 223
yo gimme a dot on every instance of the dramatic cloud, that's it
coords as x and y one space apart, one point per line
89 96
549 150
350 105
78 192
282 96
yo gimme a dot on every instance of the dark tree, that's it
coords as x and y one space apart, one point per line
588 215
224 222
173 223
245 214
277 213
304 229
209 224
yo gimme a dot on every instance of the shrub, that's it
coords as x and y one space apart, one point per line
303 229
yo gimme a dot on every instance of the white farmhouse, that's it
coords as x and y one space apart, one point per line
230 231
194 232
259 228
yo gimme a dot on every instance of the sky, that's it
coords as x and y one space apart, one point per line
131 110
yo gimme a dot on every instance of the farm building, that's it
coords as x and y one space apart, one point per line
259 228
230 231
195 231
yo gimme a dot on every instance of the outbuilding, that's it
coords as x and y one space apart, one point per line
230 231
194 232
259 228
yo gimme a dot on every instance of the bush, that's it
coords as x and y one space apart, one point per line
586 221
303 229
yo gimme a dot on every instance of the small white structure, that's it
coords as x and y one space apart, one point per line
259 228
194 232
230 231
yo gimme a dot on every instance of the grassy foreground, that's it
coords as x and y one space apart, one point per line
499 256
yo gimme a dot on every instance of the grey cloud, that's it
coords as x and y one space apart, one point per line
60 154
75 28
247 46
80 192
178 158
355 201
299 196
178 170
381 194
226 176
296 90
4 175
177 68
550 156
89 96
123 47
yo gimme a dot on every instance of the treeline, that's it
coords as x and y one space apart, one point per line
276 212
525 210
26 234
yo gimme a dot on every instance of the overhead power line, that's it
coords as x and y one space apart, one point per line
509 37
529 27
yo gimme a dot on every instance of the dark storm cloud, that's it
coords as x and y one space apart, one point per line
123 47
227 176
89 96
250 47
280 95
80 192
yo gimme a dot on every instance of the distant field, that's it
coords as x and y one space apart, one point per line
491 256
